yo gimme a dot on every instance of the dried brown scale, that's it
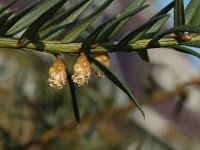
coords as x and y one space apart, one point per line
81 70
57 74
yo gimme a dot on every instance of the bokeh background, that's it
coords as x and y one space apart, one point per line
35 117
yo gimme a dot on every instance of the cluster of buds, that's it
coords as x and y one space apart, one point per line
81 70
103 58
57 74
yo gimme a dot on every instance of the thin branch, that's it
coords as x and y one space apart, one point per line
71 129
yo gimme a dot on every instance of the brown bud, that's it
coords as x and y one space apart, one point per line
81 70
57 74
103 58
186 37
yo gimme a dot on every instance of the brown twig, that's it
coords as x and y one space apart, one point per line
71 129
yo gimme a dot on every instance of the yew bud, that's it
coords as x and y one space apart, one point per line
57 74
81 70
